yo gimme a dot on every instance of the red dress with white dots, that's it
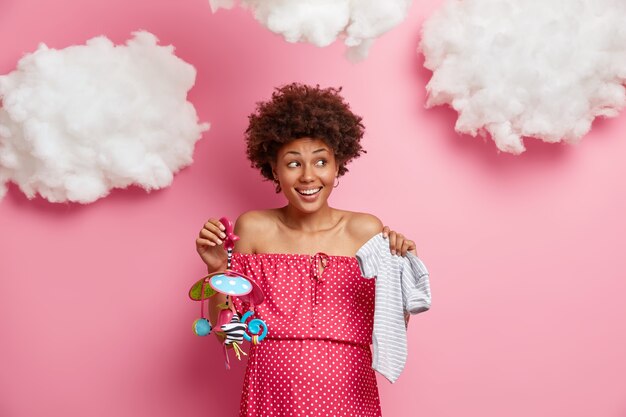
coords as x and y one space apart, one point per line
316 358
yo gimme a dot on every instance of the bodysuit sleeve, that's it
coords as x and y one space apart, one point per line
415 285
368 256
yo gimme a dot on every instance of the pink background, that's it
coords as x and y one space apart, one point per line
526 253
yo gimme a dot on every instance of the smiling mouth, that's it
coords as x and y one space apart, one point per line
310 191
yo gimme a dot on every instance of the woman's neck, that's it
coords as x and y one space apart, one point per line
317 221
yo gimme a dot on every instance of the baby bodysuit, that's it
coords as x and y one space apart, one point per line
402 285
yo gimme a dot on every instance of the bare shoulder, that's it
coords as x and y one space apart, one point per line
252 220
249 226
362 226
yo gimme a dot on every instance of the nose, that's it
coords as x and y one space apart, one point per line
307 174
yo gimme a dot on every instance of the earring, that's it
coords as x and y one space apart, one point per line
335 186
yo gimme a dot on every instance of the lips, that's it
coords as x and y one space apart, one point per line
307 192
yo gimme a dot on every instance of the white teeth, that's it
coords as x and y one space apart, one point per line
310 192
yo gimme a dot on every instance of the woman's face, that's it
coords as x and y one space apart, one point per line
306 170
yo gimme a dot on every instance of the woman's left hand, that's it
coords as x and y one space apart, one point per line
398 243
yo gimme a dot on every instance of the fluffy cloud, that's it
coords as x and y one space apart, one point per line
320 22
79 121
534 68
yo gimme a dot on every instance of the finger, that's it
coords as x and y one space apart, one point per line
386 230
214 229
217 224
399 243
204 242
412 248
392 242
209 235
406 245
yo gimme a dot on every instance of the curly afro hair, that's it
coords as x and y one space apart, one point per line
298 111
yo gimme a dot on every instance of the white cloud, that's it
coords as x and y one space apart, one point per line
80 121
533 68
321 22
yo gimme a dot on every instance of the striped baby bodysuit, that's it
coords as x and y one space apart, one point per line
402 285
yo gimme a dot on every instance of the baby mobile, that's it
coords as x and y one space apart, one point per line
232 284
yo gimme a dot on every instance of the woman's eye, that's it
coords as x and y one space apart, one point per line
321 163
293 164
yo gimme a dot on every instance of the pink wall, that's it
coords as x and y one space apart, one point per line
526 253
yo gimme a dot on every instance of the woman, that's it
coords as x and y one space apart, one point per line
316 359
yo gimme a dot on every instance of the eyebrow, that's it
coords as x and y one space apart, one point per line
298 153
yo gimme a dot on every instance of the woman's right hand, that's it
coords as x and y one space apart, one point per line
209 245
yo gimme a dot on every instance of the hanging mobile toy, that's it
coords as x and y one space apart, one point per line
230 283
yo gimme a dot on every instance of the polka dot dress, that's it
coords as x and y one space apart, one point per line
316 359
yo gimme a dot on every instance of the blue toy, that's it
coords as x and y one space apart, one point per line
254 326
201 327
